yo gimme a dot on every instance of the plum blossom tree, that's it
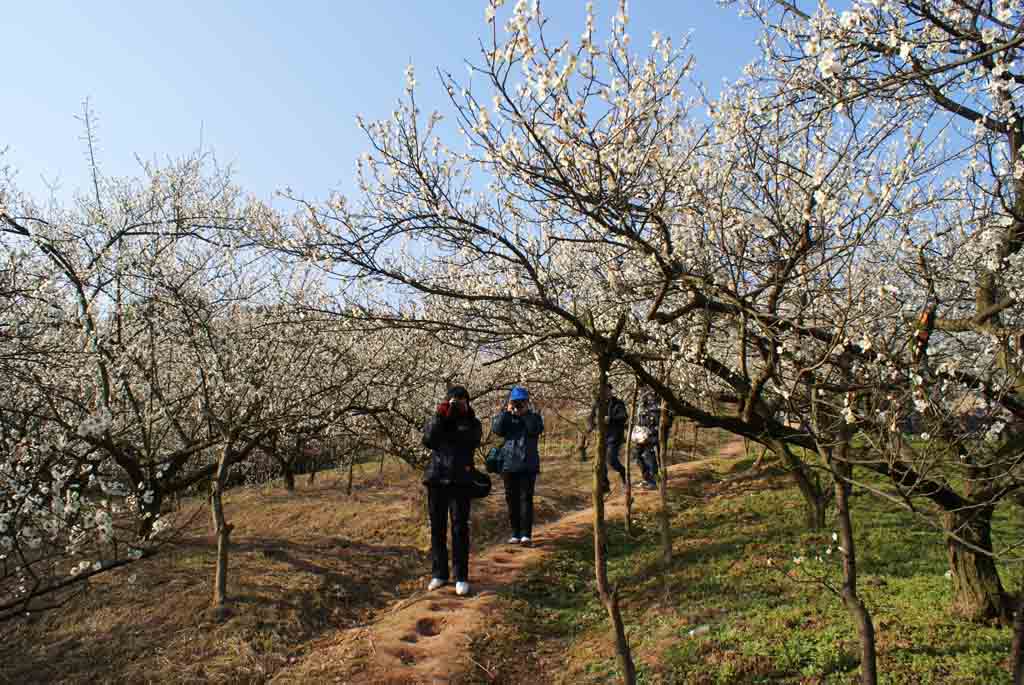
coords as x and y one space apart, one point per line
767 252
586 157
937 84
101 416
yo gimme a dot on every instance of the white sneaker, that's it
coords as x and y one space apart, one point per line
524 541
462 588
513 540
435 583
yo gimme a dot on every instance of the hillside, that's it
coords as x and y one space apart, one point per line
329 588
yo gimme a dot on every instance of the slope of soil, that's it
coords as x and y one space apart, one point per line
305 569
427 638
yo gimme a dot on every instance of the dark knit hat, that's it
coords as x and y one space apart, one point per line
458 392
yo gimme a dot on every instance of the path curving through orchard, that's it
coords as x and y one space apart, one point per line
424 638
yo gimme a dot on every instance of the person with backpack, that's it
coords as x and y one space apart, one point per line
645 452
452 435
615 419
521 427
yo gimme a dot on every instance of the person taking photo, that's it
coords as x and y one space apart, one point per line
521 427
452 435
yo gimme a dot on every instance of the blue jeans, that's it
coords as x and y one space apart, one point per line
647 457
612 453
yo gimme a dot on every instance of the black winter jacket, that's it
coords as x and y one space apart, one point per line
452 440
520 453
616 417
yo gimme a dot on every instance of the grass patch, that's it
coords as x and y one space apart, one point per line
738 610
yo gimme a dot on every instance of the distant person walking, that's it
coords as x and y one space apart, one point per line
521 427
452 435
645 453
615 417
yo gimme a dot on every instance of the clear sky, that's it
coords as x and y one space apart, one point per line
271 87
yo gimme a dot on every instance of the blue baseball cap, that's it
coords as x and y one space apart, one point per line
519 393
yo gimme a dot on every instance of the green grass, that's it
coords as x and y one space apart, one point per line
765 622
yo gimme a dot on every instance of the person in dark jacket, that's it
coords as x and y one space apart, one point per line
452 435
616 417
521 426
646 453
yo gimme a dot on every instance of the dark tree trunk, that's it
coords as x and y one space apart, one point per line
816 497
351 471
665 515
150 511
289 476
978 593
222 529
609 596
627 461
582 437
1016 656
841 471
817 507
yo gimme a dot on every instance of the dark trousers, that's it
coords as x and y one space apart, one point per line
519 498
647 457
443 502
612 459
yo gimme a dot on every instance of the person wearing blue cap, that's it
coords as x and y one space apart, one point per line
521 427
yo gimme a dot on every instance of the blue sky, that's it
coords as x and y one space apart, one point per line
273 88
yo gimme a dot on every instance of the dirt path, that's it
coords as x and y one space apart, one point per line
425 638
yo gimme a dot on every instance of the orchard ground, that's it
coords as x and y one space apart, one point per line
312 571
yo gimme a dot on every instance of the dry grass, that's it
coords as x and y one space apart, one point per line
303 566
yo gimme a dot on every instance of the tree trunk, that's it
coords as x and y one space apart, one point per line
816 498
978 593
351 471
817 502
582 437
628 461
609 596
1017 648
151 511
222 529
1016 657
860 614
665 514
288 465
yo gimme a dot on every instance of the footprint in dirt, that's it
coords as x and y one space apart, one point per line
429 627
442 606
